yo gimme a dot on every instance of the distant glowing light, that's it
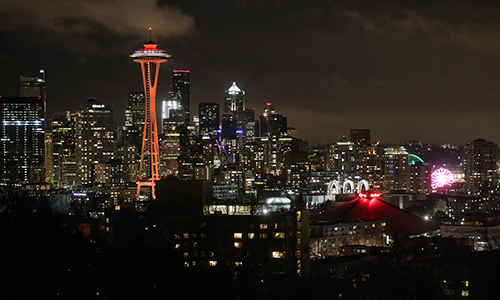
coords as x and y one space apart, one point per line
441 178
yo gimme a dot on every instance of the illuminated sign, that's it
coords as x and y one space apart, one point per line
370 195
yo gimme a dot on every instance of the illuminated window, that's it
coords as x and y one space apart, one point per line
279 235
238 263
238 235
212 263
107 229
203 236
237 244
107 220
186 235
177 246
251 235
465 293
177 236
263 226
278 254
186 264
263 236
186 254
193 263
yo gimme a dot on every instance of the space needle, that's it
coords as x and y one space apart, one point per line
150 59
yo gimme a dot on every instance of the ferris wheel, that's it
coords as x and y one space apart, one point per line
441 178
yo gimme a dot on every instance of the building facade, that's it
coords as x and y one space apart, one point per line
479 162
181 87
22 139
95 138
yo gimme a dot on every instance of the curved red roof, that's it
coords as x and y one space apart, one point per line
398 221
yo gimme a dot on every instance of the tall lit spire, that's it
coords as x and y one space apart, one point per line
150 59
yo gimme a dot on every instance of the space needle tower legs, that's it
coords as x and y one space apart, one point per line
150 59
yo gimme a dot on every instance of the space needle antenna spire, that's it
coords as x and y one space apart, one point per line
150 58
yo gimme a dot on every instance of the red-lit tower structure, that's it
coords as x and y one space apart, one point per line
150 59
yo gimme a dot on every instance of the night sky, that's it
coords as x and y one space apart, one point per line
407 70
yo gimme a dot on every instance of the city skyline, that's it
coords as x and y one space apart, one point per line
407 71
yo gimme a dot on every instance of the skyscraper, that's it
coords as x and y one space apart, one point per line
233 124
181 91
479 161
63 149
94 138
150 58
235 101
344 159
34 87
21 139
272 125
132 135
134 119
396 169
172 113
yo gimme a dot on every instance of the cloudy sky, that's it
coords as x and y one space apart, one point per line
427 70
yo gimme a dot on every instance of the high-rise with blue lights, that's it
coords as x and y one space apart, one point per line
22 139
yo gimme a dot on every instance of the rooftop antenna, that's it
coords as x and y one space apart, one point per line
150 35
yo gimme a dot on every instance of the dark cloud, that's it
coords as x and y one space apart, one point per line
408 70
79 26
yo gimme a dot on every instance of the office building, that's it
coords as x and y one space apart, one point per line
94 138
22 139
62 145
132 135
235 101
271 125
134 119
371 165
479 162
171 112
396 168
181 92
344 159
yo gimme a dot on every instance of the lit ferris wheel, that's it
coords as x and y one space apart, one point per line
441 178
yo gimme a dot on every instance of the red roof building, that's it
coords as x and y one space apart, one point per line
369 207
